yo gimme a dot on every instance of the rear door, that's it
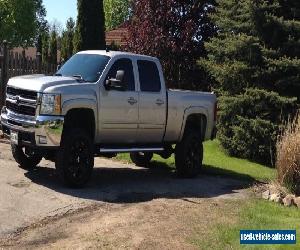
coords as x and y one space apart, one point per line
152 103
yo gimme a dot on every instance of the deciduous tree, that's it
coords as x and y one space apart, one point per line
174 31
116 13
20 21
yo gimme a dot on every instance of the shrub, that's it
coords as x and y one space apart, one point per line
250 123
288 157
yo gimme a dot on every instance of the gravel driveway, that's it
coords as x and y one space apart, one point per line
37 197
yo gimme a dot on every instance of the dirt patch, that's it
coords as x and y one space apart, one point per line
159 224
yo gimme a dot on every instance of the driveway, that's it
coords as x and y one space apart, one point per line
30 199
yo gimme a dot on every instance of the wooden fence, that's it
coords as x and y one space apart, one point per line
15 64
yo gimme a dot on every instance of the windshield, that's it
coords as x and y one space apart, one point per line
86 67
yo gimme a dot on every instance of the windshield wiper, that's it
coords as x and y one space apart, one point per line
57 74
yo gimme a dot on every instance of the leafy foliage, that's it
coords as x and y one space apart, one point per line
174 31
255 67
116 13
90 32
21 21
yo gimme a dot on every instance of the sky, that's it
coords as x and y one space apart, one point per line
60 10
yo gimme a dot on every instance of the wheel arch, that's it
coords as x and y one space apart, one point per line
81 118
195 118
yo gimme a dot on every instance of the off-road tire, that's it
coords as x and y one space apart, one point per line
27 158
75 158
189 154
141 159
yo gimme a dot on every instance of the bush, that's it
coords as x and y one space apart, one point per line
250 123
288 157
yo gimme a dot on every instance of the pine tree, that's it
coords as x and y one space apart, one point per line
90 31
67 46
45 48
255 66
53 47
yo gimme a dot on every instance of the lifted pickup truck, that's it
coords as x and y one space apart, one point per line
100 103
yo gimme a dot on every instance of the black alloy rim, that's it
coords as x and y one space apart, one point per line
79 160
193 154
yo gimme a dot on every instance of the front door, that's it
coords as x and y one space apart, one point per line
118 114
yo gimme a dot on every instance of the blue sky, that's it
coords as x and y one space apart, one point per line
60 10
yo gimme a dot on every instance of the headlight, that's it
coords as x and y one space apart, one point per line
50 104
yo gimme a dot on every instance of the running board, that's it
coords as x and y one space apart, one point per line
129 150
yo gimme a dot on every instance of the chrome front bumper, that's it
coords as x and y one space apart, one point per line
44 131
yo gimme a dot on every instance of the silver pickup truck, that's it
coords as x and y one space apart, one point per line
100 103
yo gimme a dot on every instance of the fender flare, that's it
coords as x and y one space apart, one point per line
81 103
192 111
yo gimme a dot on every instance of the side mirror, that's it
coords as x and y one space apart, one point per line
58 67
120 75
116 83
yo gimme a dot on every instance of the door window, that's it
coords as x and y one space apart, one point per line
149 76
126 65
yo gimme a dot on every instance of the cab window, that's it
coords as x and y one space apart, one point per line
125 65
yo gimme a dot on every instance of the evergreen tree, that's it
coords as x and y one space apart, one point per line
45 48
90 32
67 40
255 66
53 47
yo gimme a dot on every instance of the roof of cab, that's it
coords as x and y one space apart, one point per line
115 53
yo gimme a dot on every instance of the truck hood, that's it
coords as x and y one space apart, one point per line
39 83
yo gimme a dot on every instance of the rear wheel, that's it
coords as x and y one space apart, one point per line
26 157
189 154
141 159
75 159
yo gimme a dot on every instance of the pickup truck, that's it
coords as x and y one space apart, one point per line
101 103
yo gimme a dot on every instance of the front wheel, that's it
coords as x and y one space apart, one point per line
189 154
75 159
26 157
141 159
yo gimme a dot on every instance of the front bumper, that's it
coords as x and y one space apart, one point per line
40 131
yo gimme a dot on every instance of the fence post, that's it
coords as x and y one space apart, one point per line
39 62
3 80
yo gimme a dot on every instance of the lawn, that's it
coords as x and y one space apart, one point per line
255 214
217 162
251 214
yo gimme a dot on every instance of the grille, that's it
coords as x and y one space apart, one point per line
22 93
21 101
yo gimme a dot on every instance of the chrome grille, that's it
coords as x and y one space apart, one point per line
21 101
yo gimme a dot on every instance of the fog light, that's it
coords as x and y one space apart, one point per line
42 140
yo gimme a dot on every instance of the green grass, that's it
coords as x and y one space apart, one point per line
217 162
256 215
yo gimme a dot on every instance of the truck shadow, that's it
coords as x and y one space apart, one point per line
131 185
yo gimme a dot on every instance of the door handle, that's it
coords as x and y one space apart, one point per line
160 102
132 101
